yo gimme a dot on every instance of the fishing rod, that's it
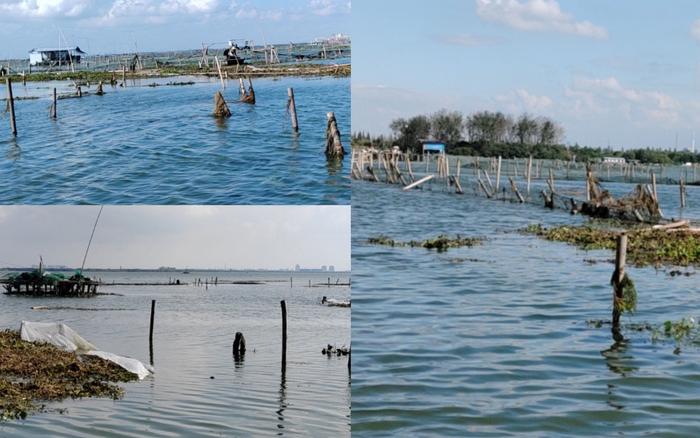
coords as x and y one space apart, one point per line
90 241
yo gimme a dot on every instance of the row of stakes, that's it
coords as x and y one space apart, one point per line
334 146
239 346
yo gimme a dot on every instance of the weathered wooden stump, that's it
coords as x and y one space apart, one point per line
239 345
220 107
334 148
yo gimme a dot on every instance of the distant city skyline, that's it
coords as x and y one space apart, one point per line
186 237
623 73
125 26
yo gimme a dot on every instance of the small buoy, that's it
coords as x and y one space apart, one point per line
211 377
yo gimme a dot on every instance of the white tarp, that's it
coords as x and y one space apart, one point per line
127 363
56 334
65 338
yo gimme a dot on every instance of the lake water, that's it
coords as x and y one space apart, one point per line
161 145
193 335
493 340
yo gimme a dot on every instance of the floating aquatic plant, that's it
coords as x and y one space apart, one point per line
645 246
439 243
32 372
628 302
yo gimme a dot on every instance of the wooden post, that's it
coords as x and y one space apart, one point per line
284 334
618 275
498 174
653 187
293 110
80 91
682 188
291 282
515 190
53 107
220 107
239 345
529 174
221 76
241 87
334 148
124 75
11 105
153 313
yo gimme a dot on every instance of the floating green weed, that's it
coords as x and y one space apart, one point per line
645 246
32 372
440 243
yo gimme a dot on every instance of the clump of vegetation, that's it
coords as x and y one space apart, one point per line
684 331
439 243
33 372
628 302
645 246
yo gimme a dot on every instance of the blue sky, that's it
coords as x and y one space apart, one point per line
115 26
623 72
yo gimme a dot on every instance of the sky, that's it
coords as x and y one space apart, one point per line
620 73
118 26
233 237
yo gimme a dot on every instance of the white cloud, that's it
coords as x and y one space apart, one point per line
536 15
608 95
695 29
252 13
329 7
45 8
155 11
521 100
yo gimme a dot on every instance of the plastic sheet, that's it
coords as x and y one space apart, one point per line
67 339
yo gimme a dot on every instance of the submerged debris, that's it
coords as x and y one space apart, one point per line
32 372
332 302
440 243
647 246
331 350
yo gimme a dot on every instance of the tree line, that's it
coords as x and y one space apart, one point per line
490 134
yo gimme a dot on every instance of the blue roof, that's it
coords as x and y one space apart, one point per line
433 146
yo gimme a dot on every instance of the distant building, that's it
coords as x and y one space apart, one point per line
433 146
324 268
613 160
331 268
69 55
297 268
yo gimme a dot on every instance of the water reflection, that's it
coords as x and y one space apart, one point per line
282 399
14 152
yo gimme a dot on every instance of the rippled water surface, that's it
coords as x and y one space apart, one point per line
161 145
194 330
493 340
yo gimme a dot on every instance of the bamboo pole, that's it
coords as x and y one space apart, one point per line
221 76
419 182
53 107
529 174
618 275
293 110
682 189
284 334
11 106
498 174
150 331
